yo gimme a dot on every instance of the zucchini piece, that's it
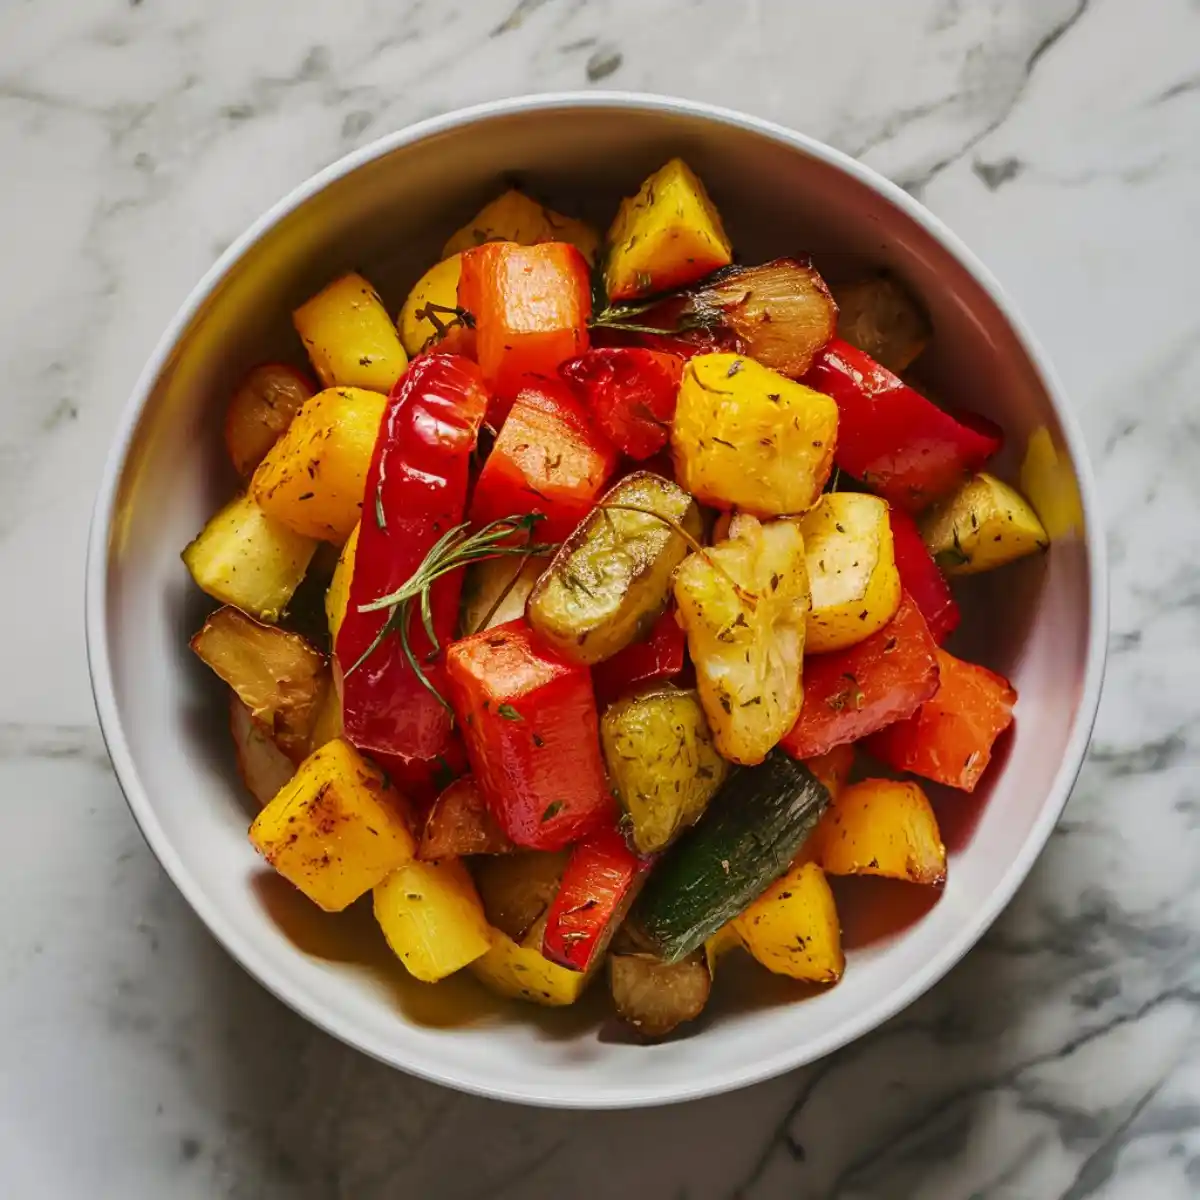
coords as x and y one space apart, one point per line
656 996
611 579
662 763
748 838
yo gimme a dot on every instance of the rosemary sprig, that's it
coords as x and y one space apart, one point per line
456 548
624 316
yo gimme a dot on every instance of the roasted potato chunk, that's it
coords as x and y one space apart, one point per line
656 997
611 579
459 824
668 235
793 928
879 317
495 591
335 830
432 919
350 338
985 524
337 596
744 606
277 675
264 768
745 437
313 478
259 412
438 288
517 888
852 569
521 972
882 827
248 559
514 217
662 763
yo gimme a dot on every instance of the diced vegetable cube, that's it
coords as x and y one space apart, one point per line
517 889
260 410
532 734
668 235
459 824
248 559
520 972
337 596
921 577
985 524
495 591
431 917
312 478
662 763
793 928
549 458
435 292
744 606
514 217
851 569
880 318
335 830
659 657
276 674
531 306
611 579
833 767
882 827
264 768
745 437
350 338
851 693
656 997
949 739
631 393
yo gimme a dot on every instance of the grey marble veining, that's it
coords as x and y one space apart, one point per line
1061 139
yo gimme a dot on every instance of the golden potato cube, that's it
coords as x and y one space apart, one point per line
985 524
746 437
312 479
350 338
793 927
335 830
514 217
881 827
337 595
668 235
521 972
248 559
432 918
851 568
439 287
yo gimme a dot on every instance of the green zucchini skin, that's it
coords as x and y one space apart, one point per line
747 838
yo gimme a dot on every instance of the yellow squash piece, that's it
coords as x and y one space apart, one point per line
881 827
744 606
748 438
1048 479
793 928
668 235
985 524
520 972
312 479
248 559
439 287
337 596
350 338
432 918
514 217
851 568
335 830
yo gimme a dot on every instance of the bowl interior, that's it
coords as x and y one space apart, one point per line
166 719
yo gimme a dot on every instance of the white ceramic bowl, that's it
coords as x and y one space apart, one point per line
387 209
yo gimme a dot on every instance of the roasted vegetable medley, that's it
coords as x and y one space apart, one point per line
633 558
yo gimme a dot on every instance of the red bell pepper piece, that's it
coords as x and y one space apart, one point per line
597 888
548 458
529 720
660 656
850 693
898 443
949 739
531 306
416 489
421 780
922 578
631 392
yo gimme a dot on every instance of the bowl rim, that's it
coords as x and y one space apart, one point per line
576 1095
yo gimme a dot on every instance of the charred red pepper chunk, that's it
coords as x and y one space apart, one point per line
900 444
597 888
416 490
631 392
851 693
660 656
532 734
922 578
548 458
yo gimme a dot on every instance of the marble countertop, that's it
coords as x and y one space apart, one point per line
1061 139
